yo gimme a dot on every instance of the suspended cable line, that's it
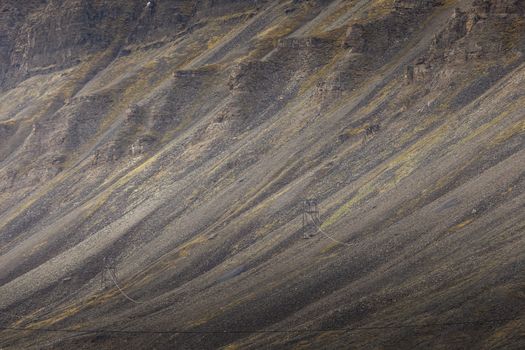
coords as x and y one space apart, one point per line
315 221
288 331
112 277
330 237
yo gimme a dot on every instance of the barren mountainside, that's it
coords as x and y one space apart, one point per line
155 161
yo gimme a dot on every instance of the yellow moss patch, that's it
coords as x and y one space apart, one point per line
236 302
485 127
234 16
272 32
342 10
329 247
36 247
10 122
379 9
213 41
53 320
323 337
355 131
27 317
514 33
232 347
185 249
461 225
422 125
322 72
515 129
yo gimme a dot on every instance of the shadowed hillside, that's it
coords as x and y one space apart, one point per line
154 162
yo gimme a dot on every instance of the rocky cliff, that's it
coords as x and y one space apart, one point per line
154 162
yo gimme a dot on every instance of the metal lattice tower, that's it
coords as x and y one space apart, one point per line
311 216
108 271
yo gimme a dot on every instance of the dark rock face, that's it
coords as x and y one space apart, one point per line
11 16
455 30
155 162
486 8
54 37
485 32
47 36
385 35
355 38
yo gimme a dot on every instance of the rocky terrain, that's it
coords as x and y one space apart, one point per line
154 162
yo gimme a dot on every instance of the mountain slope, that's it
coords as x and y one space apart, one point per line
175 145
